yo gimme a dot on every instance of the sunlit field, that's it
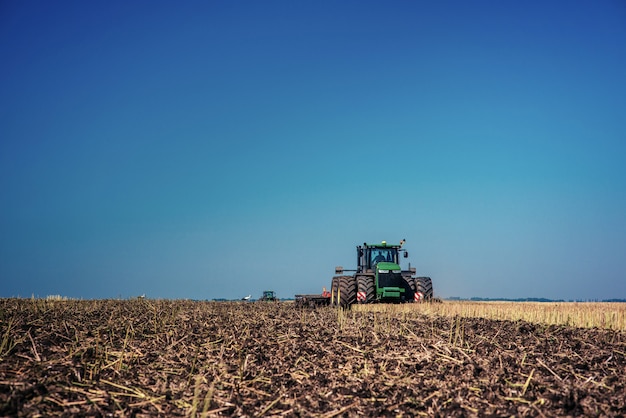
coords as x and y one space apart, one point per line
606 315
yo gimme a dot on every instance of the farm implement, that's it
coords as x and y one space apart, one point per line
314 300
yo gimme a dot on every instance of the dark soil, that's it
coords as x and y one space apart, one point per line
183 358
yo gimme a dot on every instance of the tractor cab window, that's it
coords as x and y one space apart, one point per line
379 255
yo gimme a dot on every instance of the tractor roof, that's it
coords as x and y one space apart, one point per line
381 245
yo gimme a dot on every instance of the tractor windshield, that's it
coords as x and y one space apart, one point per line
383 254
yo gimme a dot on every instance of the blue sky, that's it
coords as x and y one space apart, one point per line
217 149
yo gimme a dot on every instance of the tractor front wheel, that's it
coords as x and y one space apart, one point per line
411 282
366 289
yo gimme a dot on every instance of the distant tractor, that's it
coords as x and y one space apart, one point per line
379 278
268 296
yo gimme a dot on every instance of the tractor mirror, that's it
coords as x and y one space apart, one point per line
406 254
338 270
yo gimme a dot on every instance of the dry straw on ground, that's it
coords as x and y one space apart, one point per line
605 315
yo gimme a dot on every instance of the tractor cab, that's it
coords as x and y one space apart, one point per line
369 255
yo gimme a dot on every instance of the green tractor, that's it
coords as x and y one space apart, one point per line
379 278
268 296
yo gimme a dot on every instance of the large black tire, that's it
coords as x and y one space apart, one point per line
347 284
343 290
366 284
410 298
424 285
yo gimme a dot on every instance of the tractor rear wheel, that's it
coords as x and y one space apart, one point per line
366 289
343 290
424 285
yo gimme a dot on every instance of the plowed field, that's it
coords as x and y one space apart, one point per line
182 358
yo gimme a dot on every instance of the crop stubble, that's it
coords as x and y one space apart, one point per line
185 358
